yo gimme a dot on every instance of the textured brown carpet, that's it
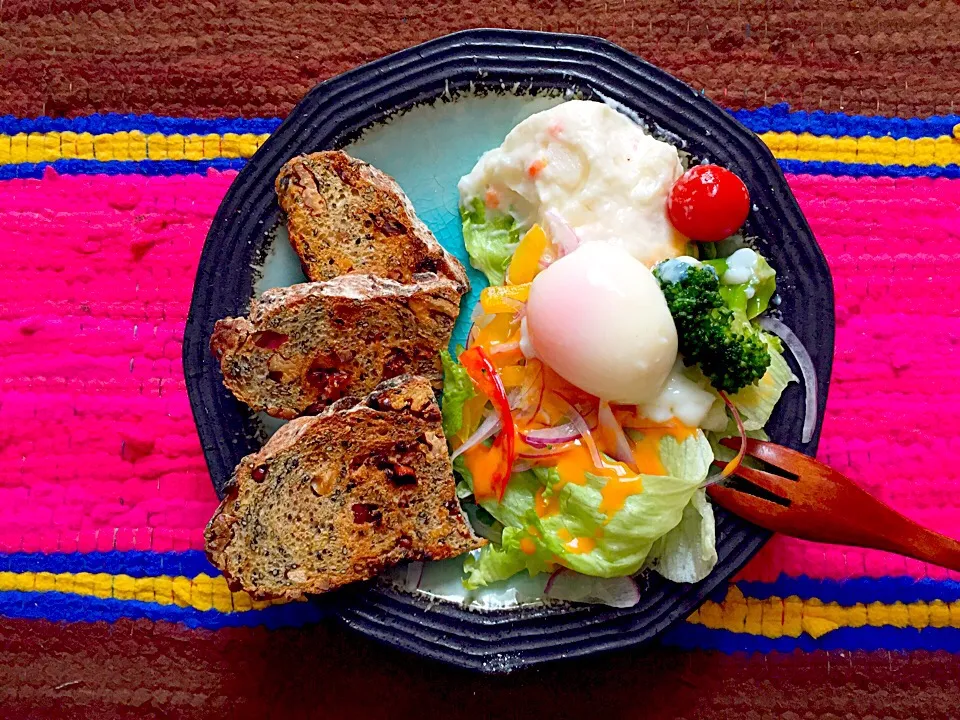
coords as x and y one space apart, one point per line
136 668
258 57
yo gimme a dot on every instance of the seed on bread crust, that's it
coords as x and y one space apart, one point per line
372 486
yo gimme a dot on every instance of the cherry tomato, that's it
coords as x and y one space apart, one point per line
708 203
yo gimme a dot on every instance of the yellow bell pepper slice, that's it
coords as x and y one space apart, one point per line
525 263
503 298
513 375
499 330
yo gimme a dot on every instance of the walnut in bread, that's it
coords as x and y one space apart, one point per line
341 496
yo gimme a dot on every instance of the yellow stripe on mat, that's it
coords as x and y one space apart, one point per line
201 592
771 618
790 617
136 146
924 152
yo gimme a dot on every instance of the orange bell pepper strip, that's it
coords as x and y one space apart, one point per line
503 298
525 264
484 375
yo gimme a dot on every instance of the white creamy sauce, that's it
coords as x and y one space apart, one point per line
680 398
741 267
595 168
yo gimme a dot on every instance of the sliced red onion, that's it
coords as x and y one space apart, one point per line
522 465
622 450
807 369
581 425
731 466
561 234
551 436
487 428
506 347
552 579
521 399
536 454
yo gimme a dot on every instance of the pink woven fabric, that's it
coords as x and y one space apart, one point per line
98 448
893 414
97 445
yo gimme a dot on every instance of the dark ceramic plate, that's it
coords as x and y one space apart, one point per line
436 78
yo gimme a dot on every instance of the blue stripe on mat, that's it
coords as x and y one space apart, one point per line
120 167
841 169
190 563
135 563
112 122
67 607
777 118
855 590
187 167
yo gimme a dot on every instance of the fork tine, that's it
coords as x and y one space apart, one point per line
772 454
749 507
774 483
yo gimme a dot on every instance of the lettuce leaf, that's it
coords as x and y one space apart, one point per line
756 402
622 540
688 553
457 389
490 240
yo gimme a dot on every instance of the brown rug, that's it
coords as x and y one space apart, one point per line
258 57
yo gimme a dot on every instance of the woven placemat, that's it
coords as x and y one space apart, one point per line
103 488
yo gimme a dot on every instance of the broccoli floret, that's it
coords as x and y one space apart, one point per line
729 350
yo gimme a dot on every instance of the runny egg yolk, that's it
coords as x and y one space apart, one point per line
597 317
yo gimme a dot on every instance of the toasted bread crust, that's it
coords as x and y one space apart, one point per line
344 215
305 346
341 496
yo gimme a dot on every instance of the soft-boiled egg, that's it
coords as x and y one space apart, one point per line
597 317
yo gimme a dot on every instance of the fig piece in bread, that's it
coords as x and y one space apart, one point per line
306 346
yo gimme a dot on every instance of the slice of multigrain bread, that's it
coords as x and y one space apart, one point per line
305 346
341 496
344 215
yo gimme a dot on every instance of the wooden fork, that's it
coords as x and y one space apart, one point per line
817 503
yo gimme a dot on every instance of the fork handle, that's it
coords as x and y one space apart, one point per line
868 522
901 535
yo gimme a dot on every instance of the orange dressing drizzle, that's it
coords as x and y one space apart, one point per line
528 546
581 545
621 482
576 545
482 462
545 507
